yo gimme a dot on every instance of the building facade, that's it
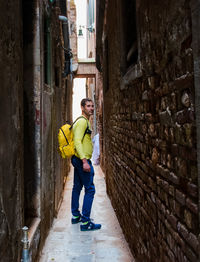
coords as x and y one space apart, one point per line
36 91
148 54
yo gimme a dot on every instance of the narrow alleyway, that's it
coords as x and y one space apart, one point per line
66 243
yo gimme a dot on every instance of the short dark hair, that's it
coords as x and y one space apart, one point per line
85 100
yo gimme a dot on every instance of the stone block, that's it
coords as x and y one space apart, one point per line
185 116
172 220
188 218
192 190
180 197
183 231
190 254
192 206
166 117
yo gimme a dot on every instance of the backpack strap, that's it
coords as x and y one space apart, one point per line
76 120
85 130
86 127
64 135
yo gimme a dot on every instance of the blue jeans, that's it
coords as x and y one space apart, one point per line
82 178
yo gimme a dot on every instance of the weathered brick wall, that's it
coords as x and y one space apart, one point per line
150 133
11 131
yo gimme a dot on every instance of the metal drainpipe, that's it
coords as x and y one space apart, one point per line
65 30
25 251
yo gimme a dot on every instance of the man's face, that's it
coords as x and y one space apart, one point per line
88 109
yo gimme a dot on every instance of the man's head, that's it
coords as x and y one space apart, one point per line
87 107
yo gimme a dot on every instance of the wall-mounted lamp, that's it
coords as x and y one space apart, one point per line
89 28
80 31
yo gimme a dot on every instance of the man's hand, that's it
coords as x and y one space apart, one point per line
86 166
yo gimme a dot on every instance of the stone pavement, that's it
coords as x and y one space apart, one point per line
66 243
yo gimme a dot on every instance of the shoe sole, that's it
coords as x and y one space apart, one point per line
75 222
90 229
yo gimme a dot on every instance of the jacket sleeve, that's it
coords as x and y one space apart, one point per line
78 133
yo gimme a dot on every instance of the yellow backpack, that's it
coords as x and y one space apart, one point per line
65 139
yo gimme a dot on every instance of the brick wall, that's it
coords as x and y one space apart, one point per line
150 132
99 113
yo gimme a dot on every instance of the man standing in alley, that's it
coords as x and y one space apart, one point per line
83 169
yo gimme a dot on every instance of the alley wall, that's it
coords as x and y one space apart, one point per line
149 126
35 101
11 135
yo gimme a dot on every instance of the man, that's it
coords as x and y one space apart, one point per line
83 169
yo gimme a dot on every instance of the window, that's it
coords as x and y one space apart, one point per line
129 34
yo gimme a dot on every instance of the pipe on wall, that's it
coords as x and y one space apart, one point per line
67 49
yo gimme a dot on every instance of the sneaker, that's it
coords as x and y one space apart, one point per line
76 220
90 226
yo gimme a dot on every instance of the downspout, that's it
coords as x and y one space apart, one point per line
67 49
195 14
